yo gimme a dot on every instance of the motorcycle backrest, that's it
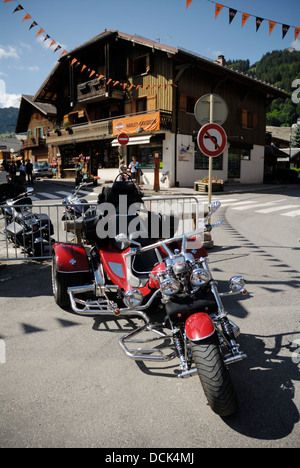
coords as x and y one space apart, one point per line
23 201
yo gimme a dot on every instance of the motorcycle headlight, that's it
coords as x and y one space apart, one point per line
199 277
133 298
170 286
236 283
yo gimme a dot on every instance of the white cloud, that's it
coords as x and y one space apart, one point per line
8 52
296 44
8 100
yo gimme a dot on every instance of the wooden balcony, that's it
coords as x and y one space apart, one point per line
99 130
94 91
33 143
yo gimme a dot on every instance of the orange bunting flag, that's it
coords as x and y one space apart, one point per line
63 53
272 25
218 9
245 16
8 1
297 32
93 72
100 77
188 2
74 61
108 81
40 31
83 67
26 17
52 43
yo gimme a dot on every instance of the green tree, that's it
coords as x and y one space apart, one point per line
295 141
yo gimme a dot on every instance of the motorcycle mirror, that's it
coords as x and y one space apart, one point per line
30 190
121 237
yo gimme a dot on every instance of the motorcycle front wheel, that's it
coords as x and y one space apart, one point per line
214 376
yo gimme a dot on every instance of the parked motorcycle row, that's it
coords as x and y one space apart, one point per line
23 228
122 271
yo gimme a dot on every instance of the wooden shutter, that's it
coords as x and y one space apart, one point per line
244 118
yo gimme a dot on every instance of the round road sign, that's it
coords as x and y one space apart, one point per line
212 139
123 139
203 108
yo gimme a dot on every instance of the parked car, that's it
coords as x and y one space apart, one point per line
42 169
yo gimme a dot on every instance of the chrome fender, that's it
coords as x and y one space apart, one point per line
199 326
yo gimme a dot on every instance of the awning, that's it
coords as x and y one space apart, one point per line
134 140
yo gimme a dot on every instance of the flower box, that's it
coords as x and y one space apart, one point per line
203 187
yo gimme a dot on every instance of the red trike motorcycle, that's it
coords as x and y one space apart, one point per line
128 274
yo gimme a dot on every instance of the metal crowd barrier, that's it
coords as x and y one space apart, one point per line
187 210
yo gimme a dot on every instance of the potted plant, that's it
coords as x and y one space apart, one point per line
67 127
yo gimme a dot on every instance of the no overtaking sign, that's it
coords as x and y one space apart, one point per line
212 140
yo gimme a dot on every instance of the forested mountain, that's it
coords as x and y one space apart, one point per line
279 68
8 119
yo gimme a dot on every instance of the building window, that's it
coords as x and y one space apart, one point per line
138 65
202 162
141 105
145 154
249 119
187 103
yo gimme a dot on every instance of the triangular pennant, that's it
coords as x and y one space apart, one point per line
131 86
33 25
93 73
99 77
285 28
245 16
52 43
63 53
272 25
40 31
83 67
5 1
57 48
108 81
73 61
297 32
26 17
46 38
19 7
232 13
218 9
188 2
258 22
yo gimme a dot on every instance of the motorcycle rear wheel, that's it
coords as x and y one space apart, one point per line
214 376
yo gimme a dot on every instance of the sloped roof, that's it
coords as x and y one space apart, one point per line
23 116
181 54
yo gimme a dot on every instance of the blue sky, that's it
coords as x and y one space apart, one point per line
26 60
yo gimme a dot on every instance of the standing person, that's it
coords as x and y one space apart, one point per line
22 170
133 168
29 170
122 169
13 171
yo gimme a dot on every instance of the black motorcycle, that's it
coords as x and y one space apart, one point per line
23 227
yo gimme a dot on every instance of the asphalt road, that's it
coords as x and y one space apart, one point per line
66 382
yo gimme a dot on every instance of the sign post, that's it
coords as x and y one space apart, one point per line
212 138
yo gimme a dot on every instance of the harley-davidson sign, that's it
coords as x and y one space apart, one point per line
146 122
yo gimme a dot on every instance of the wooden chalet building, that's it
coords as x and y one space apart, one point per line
36 119
118 82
